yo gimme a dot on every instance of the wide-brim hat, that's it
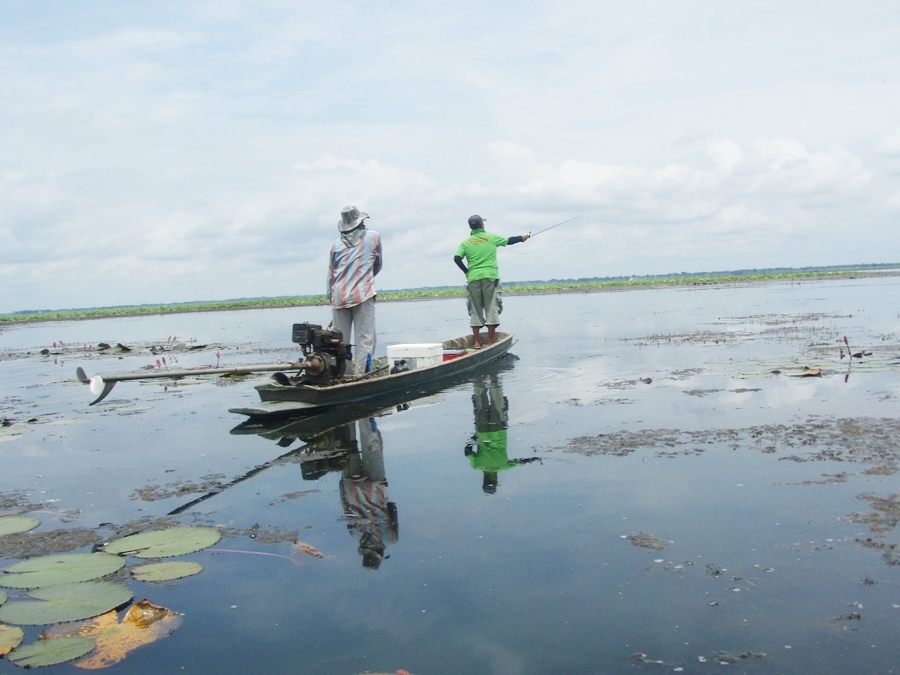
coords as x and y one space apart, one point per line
351 218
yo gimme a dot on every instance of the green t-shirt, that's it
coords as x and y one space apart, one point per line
480 252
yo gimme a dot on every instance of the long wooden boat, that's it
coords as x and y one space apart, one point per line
309 424
284 397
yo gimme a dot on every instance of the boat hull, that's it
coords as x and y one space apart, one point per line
285 399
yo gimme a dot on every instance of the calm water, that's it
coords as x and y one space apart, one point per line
652 412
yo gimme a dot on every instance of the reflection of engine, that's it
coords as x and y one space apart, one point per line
315 465
324 352
329 451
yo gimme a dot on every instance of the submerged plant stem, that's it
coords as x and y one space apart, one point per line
272 555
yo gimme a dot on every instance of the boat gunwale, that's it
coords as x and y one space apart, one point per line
332 394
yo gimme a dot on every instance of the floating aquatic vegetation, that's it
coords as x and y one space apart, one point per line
10 638
881 521
10 431
701 392
51 652
153 493
16 524
807 372
647 541
67 602
62 592
725 658
118 349
166 571
849 616
861 440
55 570
33 544
883 470
307 549
143 624
165 543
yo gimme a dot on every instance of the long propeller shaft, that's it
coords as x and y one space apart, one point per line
101 385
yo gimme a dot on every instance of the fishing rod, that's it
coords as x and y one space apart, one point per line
552 226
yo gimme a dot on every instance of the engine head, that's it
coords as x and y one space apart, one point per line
324 351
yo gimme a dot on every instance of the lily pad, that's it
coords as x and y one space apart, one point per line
51 652
53 570
69 602
166 571
807 372
165 543
16 524
10 433
10 638
143 624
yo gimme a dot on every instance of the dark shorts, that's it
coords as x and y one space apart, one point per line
485 302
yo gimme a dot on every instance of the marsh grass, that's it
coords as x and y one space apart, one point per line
509 288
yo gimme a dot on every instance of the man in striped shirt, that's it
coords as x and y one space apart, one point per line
354 261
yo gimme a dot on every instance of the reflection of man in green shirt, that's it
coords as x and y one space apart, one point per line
490 457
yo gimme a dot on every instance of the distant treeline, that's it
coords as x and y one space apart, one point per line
430 293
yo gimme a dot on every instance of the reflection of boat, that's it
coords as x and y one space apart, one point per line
312 424
298 395
325 433
309 424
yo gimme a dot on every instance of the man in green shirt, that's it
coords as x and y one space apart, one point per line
483 277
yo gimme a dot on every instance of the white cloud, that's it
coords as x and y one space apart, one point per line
117 45
891 145
204 151
726 155
787 165
894 201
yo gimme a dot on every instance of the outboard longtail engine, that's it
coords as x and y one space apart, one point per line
324 352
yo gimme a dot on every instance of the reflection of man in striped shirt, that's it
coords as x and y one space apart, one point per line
354 261
370 515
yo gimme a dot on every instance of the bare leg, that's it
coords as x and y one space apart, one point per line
491 330
476 336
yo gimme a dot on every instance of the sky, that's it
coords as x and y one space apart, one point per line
158 152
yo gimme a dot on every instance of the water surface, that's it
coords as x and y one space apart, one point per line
692 501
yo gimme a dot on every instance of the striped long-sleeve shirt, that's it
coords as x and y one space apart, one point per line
352 268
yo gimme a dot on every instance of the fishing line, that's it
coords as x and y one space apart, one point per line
552 226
